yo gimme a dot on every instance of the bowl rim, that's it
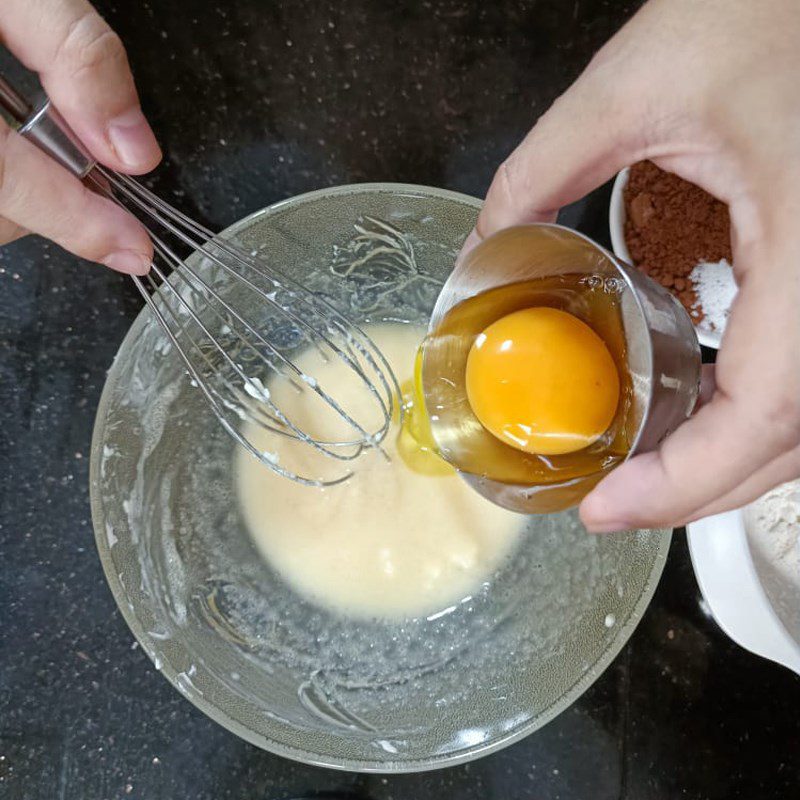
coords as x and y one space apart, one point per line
728 579
616 229
624 629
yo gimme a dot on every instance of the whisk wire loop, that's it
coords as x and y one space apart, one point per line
230 355
187 294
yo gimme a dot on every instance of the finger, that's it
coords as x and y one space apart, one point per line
84 69
708 385
784 468
707 457
10 231
752 420
38 194
577 145
473 240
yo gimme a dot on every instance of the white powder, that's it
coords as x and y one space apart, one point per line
773 531
777 526
716 288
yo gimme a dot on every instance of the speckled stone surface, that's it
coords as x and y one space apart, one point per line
254 102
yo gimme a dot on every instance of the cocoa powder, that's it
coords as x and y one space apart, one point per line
671 226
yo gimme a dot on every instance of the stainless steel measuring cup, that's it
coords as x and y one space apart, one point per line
662 351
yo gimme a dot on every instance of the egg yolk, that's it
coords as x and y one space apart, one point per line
542 381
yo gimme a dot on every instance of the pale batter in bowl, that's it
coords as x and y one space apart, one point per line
388 542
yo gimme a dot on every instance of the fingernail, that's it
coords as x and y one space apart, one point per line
607 527
132 139
128 261
470 243
473 239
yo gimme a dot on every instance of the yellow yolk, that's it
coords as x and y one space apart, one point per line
542 381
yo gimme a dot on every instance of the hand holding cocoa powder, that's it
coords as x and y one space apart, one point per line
707 91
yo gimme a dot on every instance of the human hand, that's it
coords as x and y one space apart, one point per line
710 91
84 70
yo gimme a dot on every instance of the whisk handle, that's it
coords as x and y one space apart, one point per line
47 129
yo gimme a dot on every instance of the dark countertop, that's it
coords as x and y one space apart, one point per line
255 102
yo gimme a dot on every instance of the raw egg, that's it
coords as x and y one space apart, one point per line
542 381
415 442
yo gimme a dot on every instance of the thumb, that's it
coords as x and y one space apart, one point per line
84 69
578 144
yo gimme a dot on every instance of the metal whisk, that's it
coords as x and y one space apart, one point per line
234 320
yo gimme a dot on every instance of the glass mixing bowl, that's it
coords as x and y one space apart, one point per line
234 638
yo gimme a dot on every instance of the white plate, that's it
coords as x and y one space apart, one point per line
710 337
726 572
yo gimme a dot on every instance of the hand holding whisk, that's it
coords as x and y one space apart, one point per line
230 315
